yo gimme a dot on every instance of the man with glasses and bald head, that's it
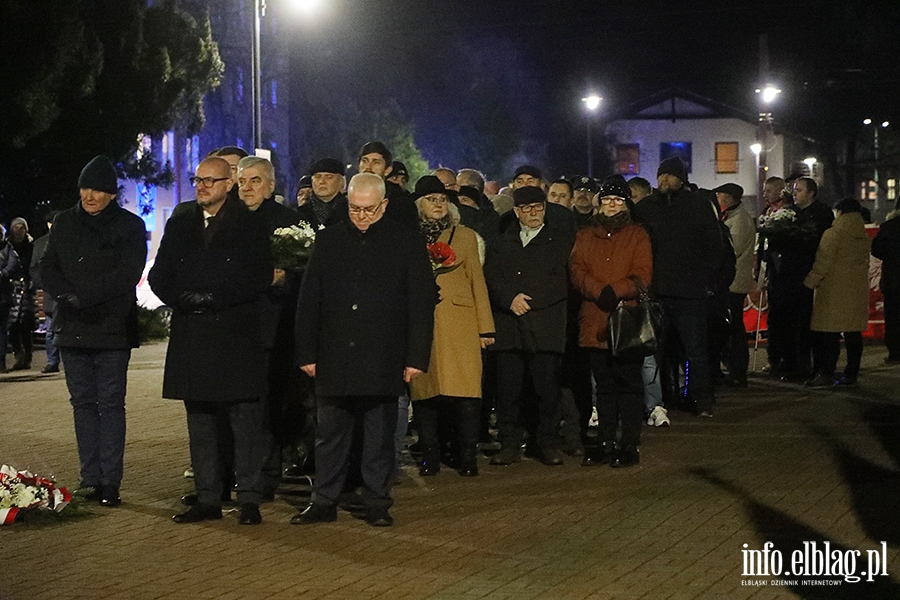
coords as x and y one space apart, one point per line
364 329
213 267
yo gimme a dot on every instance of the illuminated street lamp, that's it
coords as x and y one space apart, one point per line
810 162
767 95
592 103
875 128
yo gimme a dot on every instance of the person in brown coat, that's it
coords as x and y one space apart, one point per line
463 326
607 258
840 280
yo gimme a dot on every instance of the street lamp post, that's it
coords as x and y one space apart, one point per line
592 102
875 128
259 11
767 95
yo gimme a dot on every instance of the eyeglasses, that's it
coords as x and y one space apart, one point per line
207 182
532 208
437 199
370 211
612 200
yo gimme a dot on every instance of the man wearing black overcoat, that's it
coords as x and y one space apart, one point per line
213 269
364 327
527 278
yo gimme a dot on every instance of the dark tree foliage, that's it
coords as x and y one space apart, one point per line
87 77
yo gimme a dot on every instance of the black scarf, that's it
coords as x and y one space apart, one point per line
612 224
432 228
321 209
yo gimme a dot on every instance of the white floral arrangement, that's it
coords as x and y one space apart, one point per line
22 491
291 246
785 214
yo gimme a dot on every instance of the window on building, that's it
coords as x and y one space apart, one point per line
628 159
891 189
195 152
680 149
726 157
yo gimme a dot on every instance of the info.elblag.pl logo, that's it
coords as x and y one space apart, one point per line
817 560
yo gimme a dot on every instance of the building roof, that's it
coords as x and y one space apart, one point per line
675 103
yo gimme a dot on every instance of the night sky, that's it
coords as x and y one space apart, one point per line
836 62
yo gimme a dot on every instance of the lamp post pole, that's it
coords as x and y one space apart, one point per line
592 102
259 10
875 127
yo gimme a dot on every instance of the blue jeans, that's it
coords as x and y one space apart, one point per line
50 344
96 380
652 387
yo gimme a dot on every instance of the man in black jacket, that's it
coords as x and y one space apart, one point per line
213 268
687 254
527 278
375 158
327 204
365 323
94 259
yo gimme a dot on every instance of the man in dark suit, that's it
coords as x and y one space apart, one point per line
213 268
364 327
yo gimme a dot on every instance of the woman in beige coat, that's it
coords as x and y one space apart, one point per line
463 326
840 280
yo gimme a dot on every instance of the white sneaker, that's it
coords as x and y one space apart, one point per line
659 417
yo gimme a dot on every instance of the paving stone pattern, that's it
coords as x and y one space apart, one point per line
777 463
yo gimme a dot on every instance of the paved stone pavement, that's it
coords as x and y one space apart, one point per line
777 463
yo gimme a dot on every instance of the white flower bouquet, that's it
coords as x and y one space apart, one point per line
21 491
291 246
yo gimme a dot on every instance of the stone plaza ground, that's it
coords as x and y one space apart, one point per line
778 463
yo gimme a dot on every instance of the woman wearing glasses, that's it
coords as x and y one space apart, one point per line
607 259
463 326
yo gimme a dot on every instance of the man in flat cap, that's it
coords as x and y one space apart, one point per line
94 259
399 174
687 255
327 204
743 238
583 191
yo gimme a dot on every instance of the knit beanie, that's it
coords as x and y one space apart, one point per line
19 220
100 175
673 166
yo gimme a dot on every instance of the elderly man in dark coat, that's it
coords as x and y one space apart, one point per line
213 268
527 277
93 262
364 327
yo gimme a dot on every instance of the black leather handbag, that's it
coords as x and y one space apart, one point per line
634 331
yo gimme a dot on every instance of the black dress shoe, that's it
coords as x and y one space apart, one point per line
626 457
552 457
109 496
189 499
316 513
468 467
429 468
379 517
199 512
601 456
250 514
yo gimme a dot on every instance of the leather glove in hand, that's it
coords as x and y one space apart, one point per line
607 301
195 302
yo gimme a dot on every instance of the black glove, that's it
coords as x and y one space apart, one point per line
195 302
69 299
607 300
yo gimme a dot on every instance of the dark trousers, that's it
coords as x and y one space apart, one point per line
790 311
685 331
246 419
575 401
338 417
827 350
96 380
511 371
465 412
737 353
892 323
620 396
21 337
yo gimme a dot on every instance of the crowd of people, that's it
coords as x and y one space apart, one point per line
459 302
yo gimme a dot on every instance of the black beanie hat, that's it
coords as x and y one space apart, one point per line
673 166
377 148
528 170
327 165
100 175
615 185
528 195
469 192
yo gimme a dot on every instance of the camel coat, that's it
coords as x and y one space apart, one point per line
461 317
840 277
